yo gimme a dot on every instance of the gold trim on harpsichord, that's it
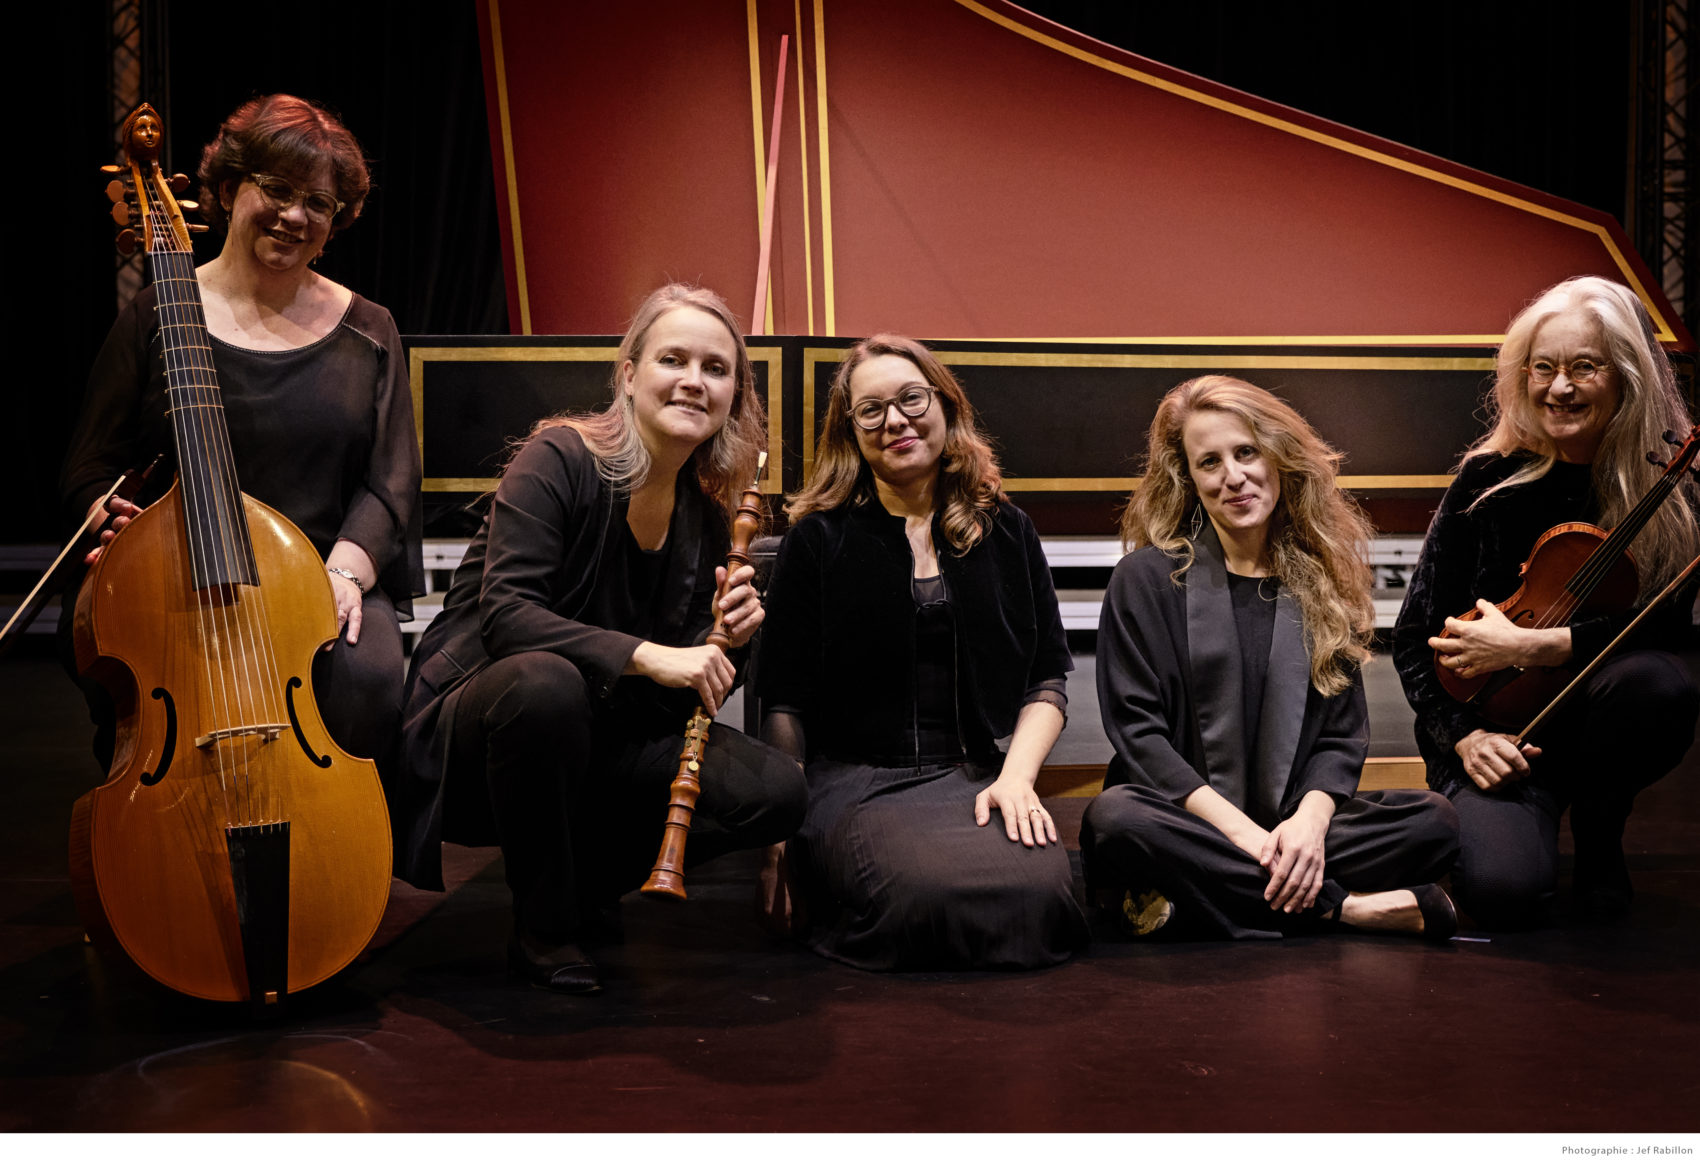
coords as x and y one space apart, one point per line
1208 360
803 161
772 358
814 356
760 139
1128 485
1332 141
499 63
827 273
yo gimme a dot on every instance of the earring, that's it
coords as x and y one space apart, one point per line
1197 519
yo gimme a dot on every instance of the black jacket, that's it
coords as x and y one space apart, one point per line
838 644
528 573
1168 693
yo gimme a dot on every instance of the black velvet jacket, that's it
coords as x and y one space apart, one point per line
838 644
1478 554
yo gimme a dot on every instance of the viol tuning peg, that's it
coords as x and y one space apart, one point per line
179 183
126 241
121 213
116 190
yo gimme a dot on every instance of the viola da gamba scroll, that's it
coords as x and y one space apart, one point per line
235 851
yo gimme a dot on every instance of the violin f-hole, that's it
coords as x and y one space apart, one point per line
170 747
295 723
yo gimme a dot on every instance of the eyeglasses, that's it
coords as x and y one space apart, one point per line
911 402
1580 371
320 205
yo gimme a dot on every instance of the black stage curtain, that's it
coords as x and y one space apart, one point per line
404 77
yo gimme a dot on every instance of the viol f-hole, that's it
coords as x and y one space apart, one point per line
667 879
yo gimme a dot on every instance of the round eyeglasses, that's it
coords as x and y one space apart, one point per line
1580 371
911 402
320 205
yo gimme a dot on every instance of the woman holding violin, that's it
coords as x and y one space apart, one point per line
1230 682
547 704
913 625
315 394
1582 396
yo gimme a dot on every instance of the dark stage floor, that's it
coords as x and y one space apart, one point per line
707 1024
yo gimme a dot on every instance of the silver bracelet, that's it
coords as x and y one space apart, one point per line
350 576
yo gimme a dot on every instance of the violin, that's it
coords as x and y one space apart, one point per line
235 852
1575 571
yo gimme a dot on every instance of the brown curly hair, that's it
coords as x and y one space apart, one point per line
970 481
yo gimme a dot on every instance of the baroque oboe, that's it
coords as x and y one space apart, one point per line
667 879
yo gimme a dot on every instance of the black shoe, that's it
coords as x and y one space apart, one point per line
1603 891
559 967
1440 917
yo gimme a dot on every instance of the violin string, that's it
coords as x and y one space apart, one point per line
182 412
261 680
210 519
249 643
1599 565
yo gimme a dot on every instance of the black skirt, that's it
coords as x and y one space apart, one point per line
896 875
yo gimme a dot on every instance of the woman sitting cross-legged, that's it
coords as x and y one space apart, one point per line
1229 657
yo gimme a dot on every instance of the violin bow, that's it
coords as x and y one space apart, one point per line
126 487
1670 589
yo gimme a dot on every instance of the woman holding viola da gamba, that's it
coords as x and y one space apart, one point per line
547 704
1582 394
912 623
313 383
1230 684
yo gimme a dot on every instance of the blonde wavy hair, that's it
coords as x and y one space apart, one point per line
723 465
1649 406
970 481
1317 534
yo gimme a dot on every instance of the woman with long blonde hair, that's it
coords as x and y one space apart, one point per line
1582 394
1229 681
913 624
546 705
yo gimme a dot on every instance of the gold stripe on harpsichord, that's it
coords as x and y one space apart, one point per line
774 359
771 357
825 173
803 152
1127 485
816 356
501 69
1209 360
759 137
1334 142
812 357
1454 340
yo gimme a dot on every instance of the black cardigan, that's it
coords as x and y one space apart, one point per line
838 644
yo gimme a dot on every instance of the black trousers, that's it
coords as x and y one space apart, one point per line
578 789
1379 841
1628 727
